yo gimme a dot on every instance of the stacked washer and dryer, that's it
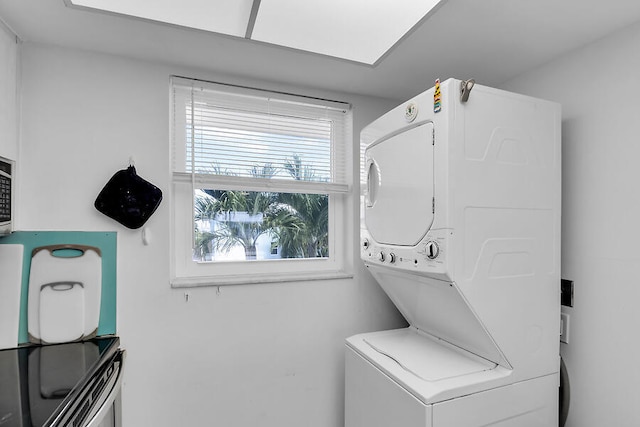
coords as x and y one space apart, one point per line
461 228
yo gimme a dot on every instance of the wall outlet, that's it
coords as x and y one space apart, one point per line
564 328
566 292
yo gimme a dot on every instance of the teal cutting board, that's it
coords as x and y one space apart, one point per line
106 241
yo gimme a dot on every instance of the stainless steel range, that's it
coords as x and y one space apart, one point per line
72 384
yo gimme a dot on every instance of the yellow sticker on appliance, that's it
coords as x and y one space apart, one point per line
437 97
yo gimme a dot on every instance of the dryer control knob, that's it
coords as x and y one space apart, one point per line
365 243
392 258
432 249
381 257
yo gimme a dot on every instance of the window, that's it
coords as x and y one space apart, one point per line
260 185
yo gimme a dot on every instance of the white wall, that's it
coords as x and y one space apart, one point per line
8 94
599 89
251 355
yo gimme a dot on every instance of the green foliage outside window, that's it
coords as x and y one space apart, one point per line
296 222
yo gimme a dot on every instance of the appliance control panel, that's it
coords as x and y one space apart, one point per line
428 256
6 196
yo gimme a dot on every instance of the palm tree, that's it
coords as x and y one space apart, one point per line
243 216
298 170
311 240
298 221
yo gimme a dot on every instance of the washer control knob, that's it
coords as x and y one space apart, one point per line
381 257
392 258
432 249
365 243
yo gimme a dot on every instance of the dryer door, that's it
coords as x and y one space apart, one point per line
399 192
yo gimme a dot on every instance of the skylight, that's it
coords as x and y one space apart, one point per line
356 30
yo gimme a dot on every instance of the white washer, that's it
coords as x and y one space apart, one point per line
461 229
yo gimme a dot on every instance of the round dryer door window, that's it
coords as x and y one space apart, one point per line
399 192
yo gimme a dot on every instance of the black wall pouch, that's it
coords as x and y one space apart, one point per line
128 198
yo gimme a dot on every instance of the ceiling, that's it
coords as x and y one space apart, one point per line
492 41
344 29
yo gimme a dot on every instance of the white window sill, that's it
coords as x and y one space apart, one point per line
244 279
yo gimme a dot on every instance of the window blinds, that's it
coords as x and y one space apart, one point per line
235 137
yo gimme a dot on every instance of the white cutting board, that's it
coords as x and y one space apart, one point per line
62 312
64 294
10 288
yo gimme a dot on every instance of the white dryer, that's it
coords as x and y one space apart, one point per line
461 228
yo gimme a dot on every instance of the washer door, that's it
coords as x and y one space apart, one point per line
399 192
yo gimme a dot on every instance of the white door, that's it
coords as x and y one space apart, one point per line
399 194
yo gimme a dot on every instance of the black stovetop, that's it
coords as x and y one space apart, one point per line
36 382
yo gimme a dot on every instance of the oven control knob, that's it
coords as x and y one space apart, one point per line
432 249
381 257
365 243
392 258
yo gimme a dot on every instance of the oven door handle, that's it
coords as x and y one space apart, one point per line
114 394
